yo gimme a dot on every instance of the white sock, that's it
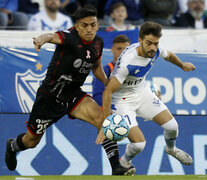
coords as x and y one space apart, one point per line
132 149
170 132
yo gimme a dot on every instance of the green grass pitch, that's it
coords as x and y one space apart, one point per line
137 177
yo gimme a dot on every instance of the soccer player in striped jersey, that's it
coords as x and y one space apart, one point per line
78 52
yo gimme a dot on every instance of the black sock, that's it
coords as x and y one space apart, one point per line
17 144
112 152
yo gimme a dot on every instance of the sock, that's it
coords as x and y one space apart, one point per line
132 149
170 142
112 152
170 133
17 144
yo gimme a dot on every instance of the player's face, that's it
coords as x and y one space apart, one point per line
117 49
149 45
87 28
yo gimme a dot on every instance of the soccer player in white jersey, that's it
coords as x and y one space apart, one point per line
128 95
50 19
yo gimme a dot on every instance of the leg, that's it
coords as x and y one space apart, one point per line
136 146
135 136
31 141
88 110
112 152
40 119
21 143
170 126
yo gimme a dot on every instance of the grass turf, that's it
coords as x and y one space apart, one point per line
89 177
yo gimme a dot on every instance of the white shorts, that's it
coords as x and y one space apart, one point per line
144 104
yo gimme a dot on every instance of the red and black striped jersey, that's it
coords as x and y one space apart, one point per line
71 63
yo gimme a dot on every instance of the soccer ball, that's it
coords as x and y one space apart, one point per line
115 127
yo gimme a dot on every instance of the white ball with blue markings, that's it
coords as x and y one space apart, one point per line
115 127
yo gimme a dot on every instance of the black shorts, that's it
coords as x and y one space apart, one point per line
47 110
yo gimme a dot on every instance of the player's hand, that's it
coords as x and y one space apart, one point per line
37 43
188 66
100 138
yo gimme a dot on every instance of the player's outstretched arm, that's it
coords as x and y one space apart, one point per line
112 86
186 66
46 38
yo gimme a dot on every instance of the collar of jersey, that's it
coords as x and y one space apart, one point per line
86 42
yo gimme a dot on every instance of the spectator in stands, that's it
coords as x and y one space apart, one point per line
160 11
118 16
195 16
120 42
134 9
183 5
28 7
50 18
10 18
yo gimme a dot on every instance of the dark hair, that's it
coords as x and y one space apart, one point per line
121 39
150 27
117 5
86 11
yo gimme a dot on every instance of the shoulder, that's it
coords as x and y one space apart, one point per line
98 38
69 31
161 47
128 56
72 30
68 36
183 18
63 16
36 16
98 42
161 51
129 50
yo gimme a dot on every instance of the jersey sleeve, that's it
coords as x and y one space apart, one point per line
163 52
121 73
65 36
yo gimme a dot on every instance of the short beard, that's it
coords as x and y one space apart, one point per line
144 52
196 15
53 10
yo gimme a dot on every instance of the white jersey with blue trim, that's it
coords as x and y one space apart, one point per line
131 69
